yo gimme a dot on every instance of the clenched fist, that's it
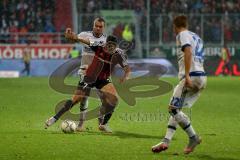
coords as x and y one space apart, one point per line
70 36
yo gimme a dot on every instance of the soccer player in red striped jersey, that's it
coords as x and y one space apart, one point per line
97 75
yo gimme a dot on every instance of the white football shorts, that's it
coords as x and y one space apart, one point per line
186 97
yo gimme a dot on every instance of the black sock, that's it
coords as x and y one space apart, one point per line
67 106
100 120
106 118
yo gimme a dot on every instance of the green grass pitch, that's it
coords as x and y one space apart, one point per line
25 104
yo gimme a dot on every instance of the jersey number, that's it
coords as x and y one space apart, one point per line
199 46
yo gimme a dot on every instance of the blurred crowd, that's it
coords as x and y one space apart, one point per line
166 6
26 16
211 19
208 18
195 6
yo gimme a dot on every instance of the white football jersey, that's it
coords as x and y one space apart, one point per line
188 38
87 52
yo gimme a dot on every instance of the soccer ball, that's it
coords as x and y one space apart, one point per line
68 126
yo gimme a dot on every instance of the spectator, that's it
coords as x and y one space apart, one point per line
27 59
4 21
4 32
90 6
228 33
216 31
22 5
74 53
127 33
157 53
49 27
226 56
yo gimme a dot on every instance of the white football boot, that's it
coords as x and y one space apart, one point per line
105 128
50 122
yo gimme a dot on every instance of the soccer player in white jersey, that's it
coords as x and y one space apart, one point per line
192 81
95 35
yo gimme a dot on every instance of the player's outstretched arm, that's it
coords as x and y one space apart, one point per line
72 37
127 72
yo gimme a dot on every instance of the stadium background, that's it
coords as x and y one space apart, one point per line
43 22
26 102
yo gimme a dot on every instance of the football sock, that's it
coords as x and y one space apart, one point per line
67 106
171 128
83 111
190 131
82 118
100 118
83 104
106 118
106 111
184 122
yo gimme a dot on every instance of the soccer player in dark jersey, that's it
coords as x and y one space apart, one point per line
97 75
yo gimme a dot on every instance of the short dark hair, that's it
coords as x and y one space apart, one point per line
180 21
112 38
99 19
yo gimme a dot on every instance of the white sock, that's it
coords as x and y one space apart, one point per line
184 122
190 131
171 129
83 115
82 118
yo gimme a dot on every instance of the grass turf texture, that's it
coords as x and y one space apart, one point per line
25 104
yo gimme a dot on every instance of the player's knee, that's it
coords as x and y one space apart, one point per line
76 99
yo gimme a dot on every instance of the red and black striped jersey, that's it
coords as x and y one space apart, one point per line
103 63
